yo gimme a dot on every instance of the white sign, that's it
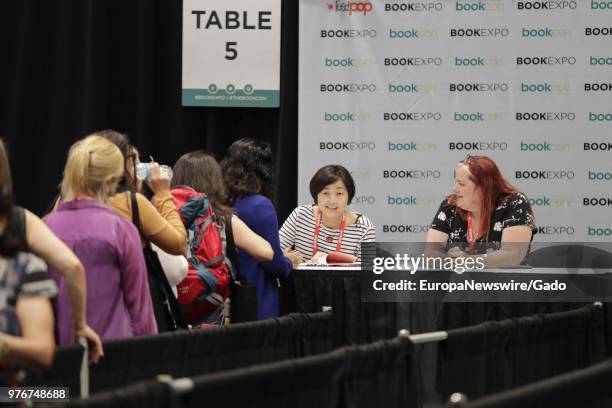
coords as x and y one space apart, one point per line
231 53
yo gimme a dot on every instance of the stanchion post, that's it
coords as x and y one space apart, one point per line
178 387
403 333
84 375
457 400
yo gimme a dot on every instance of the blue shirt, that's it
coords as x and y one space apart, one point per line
259 214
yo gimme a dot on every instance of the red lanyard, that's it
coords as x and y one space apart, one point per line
315 243
471 235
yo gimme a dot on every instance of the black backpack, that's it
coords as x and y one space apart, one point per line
166 308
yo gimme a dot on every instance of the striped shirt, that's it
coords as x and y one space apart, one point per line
298 232
22 276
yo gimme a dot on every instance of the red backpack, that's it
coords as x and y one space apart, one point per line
206 286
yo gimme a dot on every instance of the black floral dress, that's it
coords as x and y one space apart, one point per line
511 210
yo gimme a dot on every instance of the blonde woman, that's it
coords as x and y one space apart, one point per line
108 245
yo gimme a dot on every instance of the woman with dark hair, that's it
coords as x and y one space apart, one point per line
201 172
30 234
484 210
327 225
26 316
160 223
248 177
129 153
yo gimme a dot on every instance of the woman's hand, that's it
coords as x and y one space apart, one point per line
294 256
95 351
456 252
158 181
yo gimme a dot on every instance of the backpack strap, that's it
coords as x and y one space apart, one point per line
156 272
214 261
202 226
135 213
230 248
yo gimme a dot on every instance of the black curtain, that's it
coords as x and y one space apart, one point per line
70 67
608 326
362 322
150 394
585 388
356 321
457 315
375 375
383 374
64 372
426 317
304 383
497 356
205 351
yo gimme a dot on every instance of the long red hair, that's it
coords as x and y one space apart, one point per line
487 177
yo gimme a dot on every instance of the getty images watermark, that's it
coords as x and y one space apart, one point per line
411 263
542 272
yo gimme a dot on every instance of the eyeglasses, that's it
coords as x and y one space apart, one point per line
467 159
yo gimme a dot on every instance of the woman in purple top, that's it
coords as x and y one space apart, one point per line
246 169
118 299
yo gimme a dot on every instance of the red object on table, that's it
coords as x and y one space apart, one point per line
339 257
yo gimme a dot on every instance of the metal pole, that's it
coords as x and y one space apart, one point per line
84 375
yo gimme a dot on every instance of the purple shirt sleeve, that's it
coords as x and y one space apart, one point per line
135 285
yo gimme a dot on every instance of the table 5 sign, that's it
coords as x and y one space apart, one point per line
231 53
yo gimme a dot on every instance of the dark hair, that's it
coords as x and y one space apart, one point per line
8 243
5 168
329 174
200 171
247 168
122 141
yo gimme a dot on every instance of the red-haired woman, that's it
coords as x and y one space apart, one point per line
483 212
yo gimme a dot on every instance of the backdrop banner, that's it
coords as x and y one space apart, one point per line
399 91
